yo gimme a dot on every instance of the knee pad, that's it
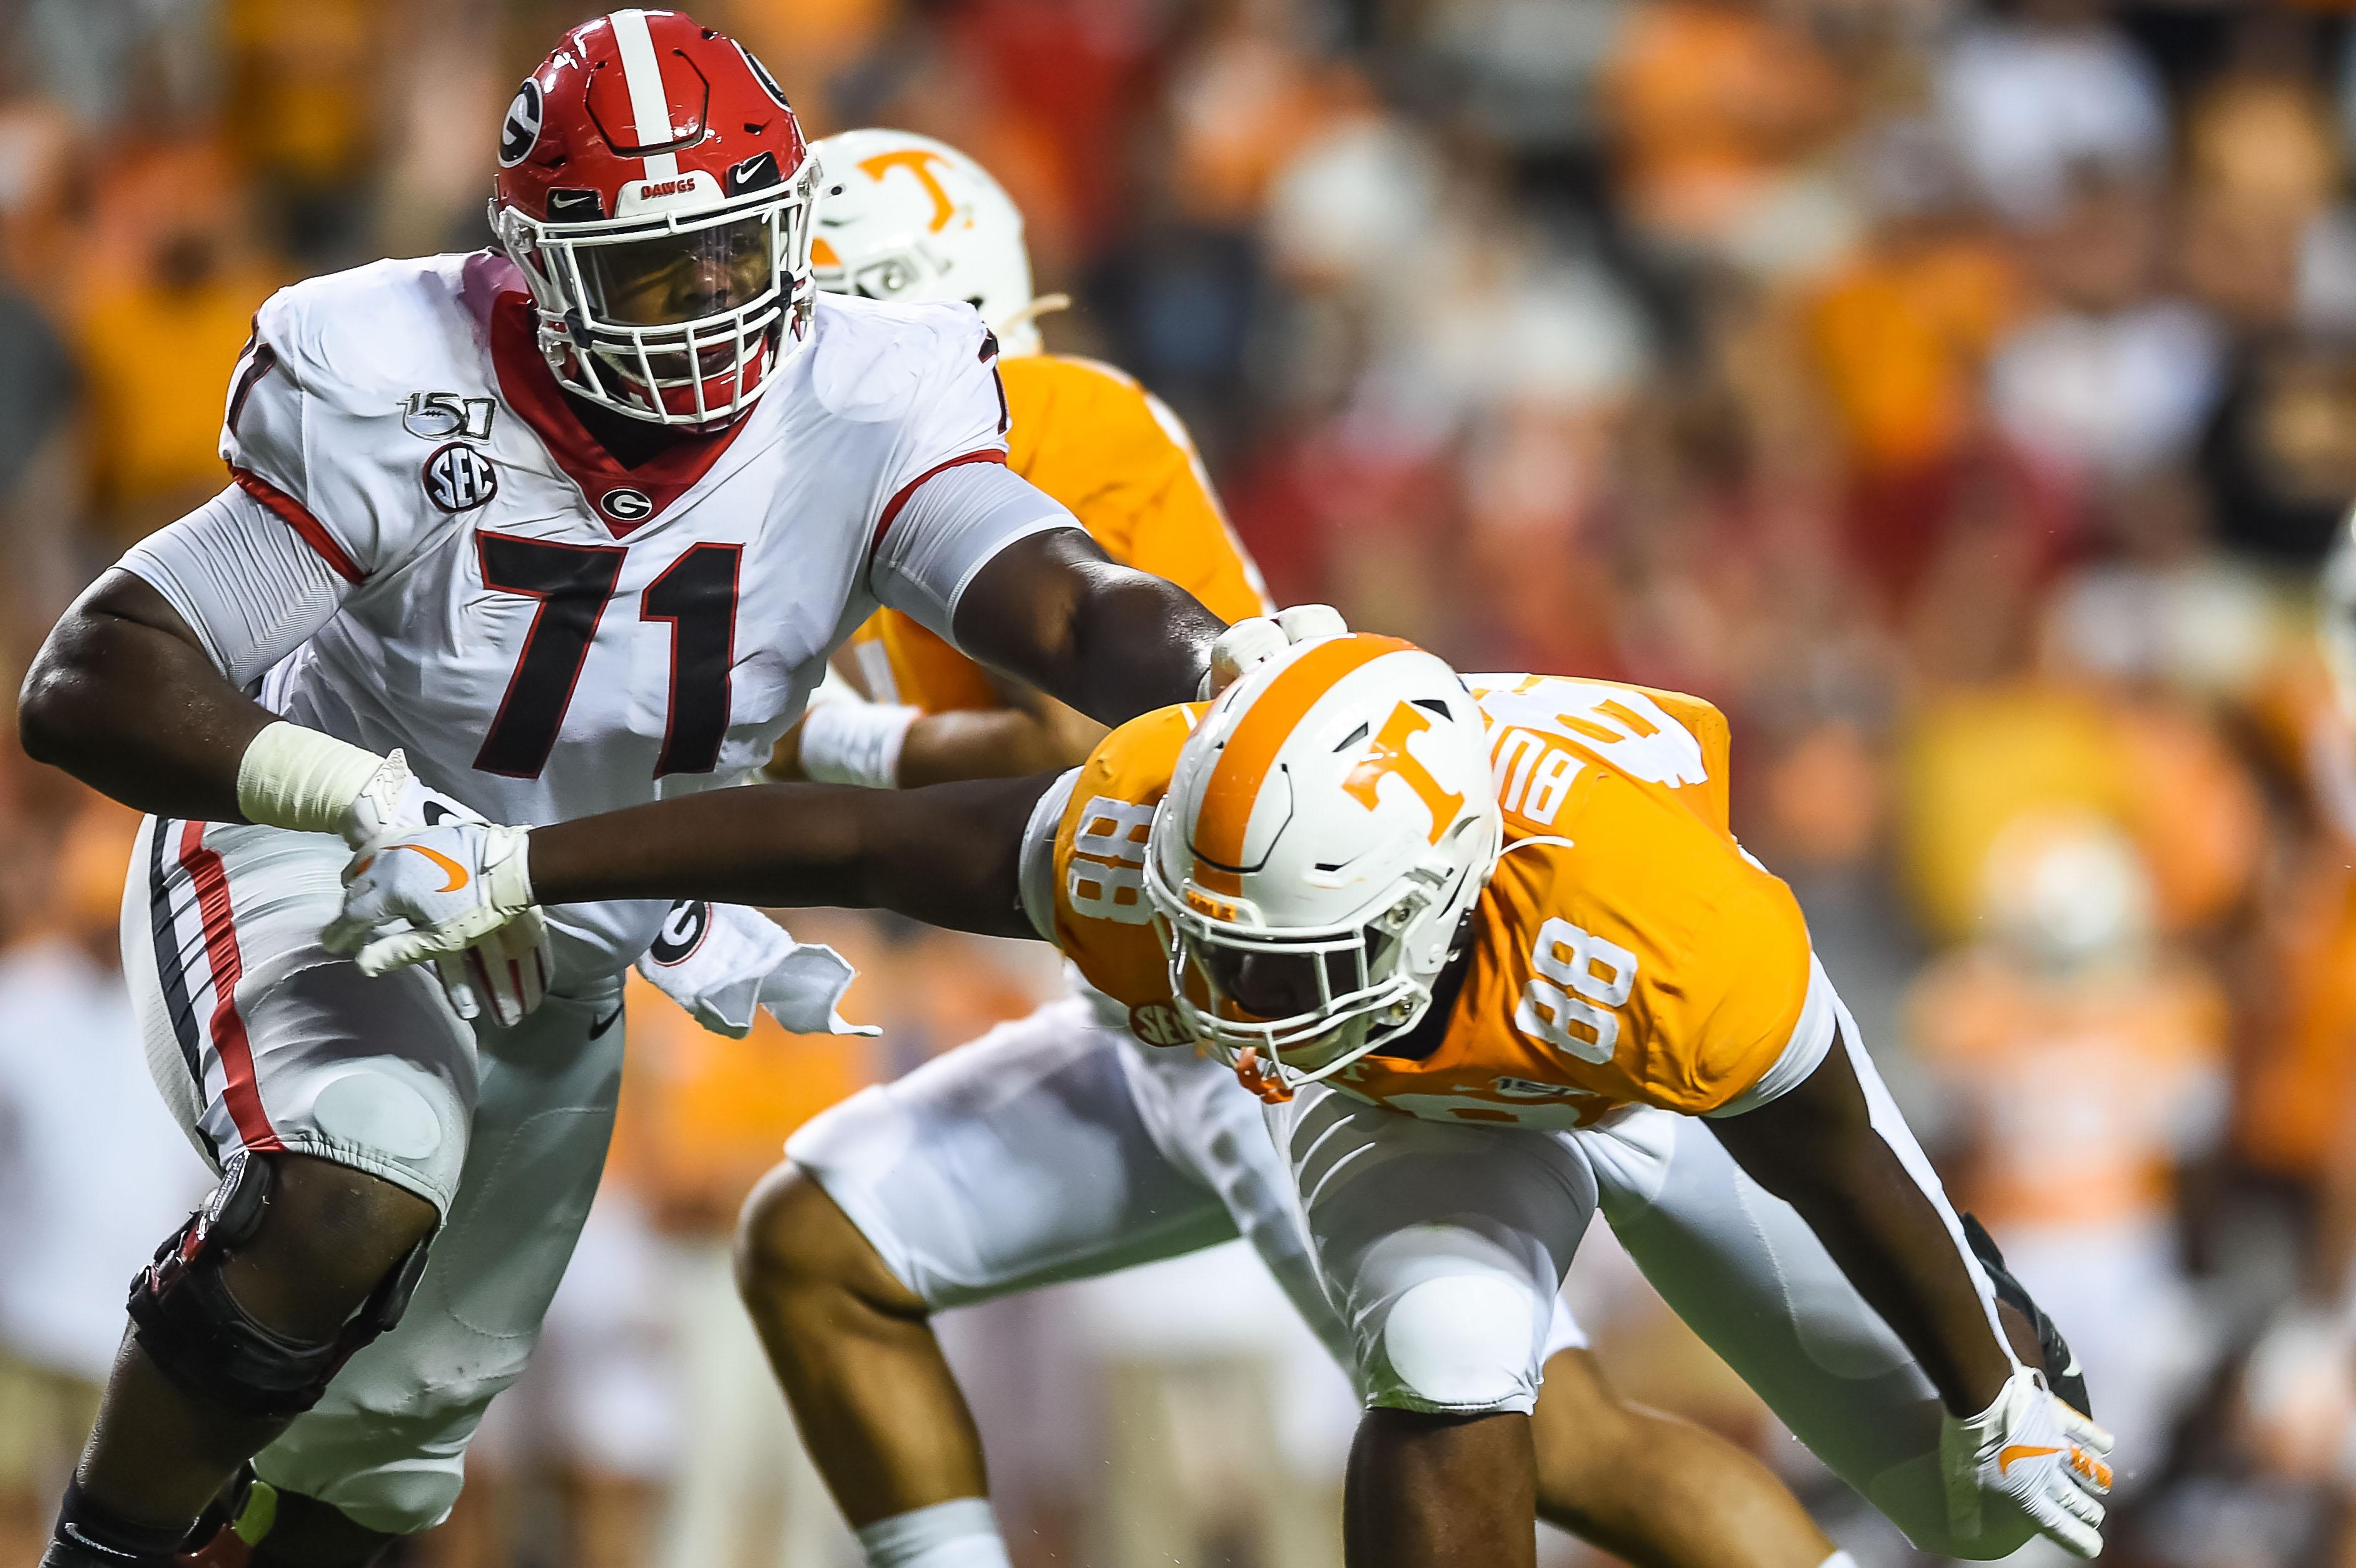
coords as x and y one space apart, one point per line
1460 1342
184 1317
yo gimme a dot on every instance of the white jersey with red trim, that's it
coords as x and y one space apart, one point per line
550 635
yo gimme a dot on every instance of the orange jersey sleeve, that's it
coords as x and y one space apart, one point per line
1108 450
1103 923
1627 951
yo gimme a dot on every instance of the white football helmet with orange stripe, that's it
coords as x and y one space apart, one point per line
1328 827
901 217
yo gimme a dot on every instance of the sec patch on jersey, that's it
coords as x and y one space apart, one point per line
458 478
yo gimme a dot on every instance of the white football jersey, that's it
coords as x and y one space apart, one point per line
547 634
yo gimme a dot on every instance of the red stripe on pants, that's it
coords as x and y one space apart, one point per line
244 1099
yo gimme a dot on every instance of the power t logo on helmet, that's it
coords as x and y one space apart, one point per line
655 190
1327 828
909 218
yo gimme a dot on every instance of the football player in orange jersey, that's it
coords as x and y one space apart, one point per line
954 1185
1492 957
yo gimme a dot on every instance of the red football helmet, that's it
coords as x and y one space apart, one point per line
655 190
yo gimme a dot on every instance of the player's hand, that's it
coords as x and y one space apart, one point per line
458 896
506 974
2029 1450
1255 639
395 801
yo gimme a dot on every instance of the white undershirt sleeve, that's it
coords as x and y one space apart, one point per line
247 585
1035 868
948 529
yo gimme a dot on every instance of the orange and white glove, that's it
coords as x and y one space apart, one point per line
1255 639
299 778
457 896
2029 1451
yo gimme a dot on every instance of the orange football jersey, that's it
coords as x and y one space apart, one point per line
1106 448
1626 953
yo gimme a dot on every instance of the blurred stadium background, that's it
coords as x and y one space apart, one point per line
1963 396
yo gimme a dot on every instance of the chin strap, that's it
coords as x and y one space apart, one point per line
1045 304
1270 1088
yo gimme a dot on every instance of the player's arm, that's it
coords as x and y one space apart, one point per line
140 688
1816 1148
1033 734
140 691
948 856
124 696
2006 1441
953 856
1055 611
978 556
888 746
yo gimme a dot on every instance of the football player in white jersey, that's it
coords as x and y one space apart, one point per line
954 1185
565 526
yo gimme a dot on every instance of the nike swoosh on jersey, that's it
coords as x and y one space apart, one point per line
2020 1451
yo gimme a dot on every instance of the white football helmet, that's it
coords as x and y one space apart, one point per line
1329 824
901 217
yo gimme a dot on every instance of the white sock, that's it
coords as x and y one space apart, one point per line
1838 1560
958 1534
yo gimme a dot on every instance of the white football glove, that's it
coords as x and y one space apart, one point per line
2031 1451
1255 639
459 896
395 801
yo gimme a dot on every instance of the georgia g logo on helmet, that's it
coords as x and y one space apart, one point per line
519 131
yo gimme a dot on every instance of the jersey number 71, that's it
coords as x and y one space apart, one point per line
573 582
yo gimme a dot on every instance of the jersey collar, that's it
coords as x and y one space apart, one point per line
621 499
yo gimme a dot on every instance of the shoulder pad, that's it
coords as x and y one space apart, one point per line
869 359
364 339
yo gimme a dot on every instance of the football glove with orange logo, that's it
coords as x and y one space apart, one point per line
2033 1452
395 801
458 896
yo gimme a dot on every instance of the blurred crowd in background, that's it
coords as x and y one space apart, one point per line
1961 395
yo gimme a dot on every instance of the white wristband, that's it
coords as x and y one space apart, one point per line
507 868
856 742
298 778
